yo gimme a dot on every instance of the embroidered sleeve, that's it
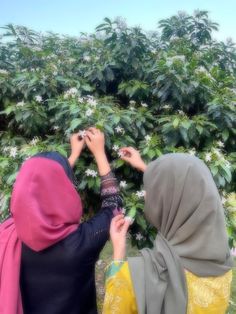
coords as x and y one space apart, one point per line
98 227
110 193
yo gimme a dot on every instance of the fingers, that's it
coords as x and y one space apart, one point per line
128 151
126 225
119 223
125 158
87 140
90 135
94 130
117 218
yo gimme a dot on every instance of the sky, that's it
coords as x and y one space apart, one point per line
75 16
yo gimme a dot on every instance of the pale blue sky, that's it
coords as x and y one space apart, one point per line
75 16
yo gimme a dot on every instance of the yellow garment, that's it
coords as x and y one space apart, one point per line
208 295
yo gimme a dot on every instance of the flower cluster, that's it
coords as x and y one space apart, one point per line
72 92
91 173
140 194
20 104
123 184
11 150
38 98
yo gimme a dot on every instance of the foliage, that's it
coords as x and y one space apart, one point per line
167 91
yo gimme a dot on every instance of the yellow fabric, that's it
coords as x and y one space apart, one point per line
205 295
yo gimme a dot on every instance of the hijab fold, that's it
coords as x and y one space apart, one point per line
183 203
45 209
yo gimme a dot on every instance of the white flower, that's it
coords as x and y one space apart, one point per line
92 102
181 112
87 58
227 164
132 108
132 102
123 184
166 107
56 127
82 133
34 141
220 144
38 98
71 60
13 152
71 92
91 173
3 72
138 236
170 60
201 69
119 129
121 154
123 210
89 112
140 194
130 219
80 99
99 262
173 38
148 138
20 104
179 58
208 157
192 152
217 152
143 104
115 148
5 149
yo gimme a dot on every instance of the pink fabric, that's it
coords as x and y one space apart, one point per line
45 208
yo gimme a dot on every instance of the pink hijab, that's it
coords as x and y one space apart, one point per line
45 209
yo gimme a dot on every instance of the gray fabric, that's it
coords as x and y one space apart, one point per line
183 203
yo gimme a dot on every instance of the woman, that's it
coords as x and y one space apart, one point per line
47 257
189 268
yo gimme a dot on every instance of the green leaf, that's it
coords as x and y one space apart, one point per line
175 123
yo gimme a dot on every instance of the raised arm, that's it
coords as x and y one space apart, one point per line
97 228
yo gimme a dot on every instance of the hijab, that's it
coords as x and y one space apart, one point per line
45 208
183 203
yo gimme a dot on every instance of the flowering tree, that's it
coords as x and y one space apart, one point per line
172 91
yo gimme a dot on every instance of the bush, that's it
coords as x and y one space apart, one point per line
172 91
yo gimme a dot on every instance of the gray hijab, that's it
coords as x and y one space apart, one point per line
183 203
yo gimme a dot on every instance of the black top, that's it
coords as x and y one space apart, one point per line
61 279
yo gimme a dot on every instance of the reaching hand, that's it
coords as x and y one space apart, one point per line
118 231
132 156
77 144
95 141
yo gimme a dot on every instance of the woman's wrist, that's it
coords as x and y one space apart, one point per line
142 166
119 253
102 163
72 159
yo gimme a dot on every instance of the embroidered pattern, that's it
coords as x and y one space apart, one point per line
210 292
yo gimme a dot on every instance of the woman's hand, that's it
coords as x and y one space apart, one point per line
118 231
77 144
95 140
132 156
